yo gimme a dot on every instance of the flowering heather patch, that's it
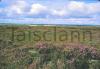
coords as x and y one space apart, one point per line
71 56
83 51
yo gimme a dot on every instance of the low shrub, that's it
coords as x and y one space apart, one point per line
65 56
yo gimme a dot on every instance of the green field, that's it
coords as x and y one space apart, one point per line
16 42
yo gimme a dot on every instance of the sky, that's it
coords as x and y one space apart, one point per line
84 12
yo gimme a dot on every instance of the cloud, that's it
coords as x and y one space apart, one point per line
71 12
61 12
76 8
93 8
16 9
71 21
38 11
0 10
37 8
72 9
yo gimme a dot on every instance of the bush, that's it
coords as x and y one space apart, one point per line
65 56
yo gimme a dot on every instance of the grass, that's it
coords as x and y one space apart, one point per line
17 41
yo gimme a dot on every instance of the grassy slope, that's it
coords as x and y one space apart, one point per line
58 37
12 48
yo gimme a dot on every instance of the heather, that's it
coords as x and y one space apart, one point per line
49 56
39 47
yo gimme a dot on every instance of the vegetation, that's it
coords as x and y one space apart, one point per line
65 57
35 47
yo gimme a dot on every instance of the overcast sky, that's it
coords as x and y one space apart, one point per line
50 11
